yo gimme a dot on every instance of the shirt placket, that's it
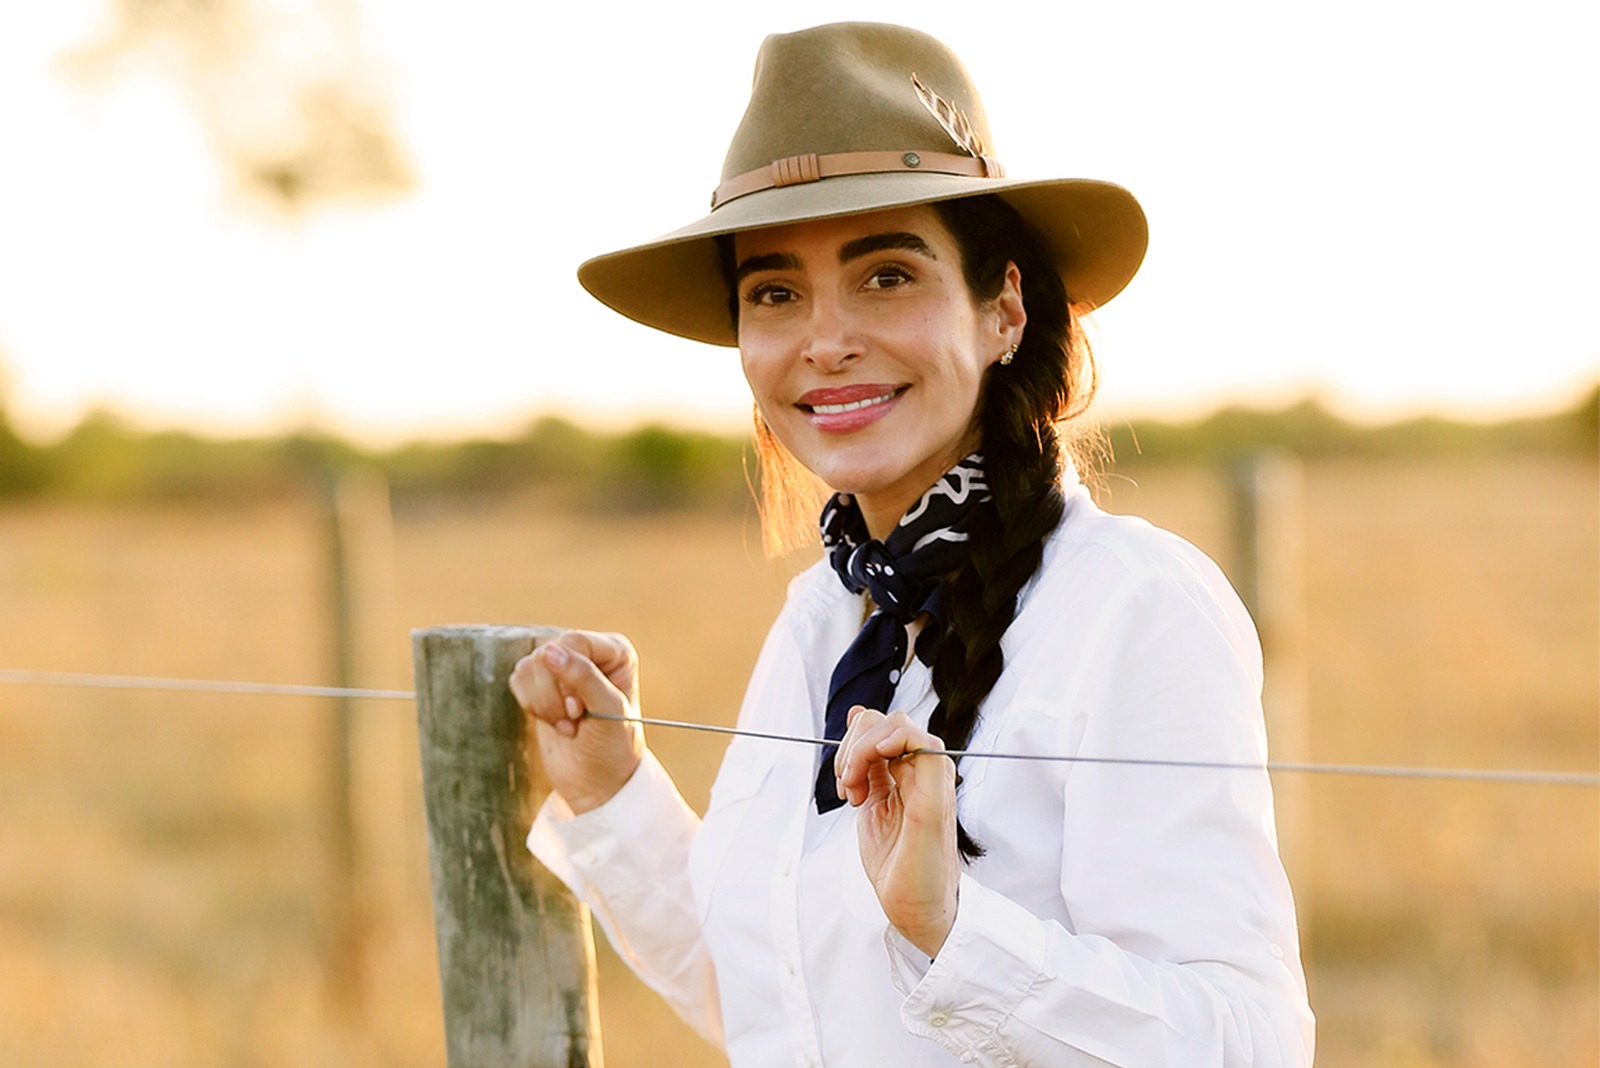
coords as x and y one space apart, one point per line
785 904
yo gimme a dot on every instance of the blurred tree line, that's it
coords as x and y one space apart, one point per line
657 468
1309 430
652 468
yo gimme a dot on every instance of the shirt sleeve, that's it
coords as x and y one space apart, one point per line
1180 913
628 861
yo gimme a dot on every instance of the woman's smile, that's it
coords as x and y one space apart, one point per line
841 409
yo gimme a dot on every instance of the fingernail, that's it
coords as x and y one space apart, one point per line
555 655
574 709
566 727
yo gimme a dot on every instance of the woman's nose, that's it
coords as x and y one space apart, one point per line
831 342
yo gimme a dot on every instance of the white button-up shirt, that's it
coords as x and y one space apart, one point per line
1122 914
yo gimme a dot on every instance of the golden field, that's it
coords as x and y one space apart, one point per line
163 889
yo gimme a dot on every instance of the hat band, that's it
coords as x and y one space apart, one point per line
794 170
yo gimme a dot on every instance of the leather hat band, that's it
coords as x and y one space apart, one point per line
811 167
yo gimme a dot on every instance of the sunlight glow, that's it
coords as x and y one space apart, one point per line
1399 221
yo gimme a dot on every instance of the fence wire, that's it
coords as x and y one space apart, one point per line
1515 776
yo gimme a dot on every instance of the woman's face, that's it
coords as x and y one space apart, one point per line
865 349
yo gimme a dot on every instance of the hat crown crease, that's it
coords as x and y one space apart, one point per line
849 88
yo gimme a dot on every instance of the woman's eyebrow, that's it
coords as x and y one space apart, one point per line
850 250
899 239
771 261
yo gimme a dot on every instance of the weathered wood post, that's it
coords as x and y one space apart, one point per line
516 960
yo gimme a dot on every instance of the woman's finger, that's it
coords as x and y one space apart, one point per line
860 722
612 655
867 723
538 692
863 764
583 684
921 771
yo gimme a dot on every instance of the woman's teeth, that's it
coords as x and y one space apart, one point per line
837 409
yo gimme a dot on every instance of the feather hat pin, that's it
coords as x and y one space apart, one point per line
952 118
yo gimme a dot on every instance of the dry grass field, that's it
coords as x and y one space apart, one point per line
163 890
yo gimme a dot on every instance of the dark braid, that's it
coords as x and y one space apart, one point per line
1021 405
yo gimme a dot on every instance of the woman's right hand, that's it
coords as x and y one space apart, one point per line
586 760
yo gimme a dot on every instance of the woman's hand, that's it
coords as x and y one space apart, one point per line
906 821
586 760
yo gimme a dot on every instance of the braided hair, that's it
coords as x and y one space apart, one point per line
1020 409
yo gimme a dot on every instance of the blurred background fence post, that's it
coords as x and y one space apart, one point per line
360 750
516 960
342 907
1269 546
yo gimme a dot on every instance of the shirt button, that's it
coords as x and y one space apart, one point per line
938 1019
1277 951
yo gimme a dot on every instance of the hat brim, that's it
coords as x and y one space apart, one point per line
1096 231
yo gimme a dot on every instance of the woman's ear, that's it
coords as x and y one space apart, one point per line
1010 315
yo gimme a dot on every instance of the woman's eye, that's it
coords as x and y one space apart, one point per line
769 293
888 278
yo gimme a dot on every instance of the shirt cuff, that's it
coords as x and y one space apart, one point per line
991 959
591 852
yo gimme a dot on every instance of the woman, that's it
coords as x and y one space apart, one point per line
902 316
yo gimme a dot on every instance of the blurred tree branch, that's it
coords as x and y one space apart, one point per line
295 108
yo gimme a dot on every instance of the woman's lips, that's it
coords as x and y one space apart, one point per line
840 409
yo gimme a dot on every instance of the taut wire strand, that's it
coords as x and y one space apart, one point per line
1530 778
140 682
1582 780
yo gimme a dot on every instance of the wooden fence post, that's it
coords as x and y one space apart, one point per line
516 960
343 970
1269 537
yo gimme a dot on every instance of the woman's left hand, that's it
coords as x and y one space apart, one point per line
906 821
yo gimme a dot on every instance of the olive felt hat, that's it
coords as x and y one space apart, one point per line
855 117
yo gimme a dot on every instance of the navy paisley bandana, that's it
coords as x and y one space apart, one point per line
905 576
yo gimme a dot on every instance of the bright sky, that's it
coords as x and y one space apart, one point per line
1390 202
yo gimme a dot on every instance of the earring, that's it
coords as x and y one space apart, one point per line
1006 356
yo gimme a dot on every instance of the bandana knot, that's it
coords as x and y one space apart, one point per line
870 567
